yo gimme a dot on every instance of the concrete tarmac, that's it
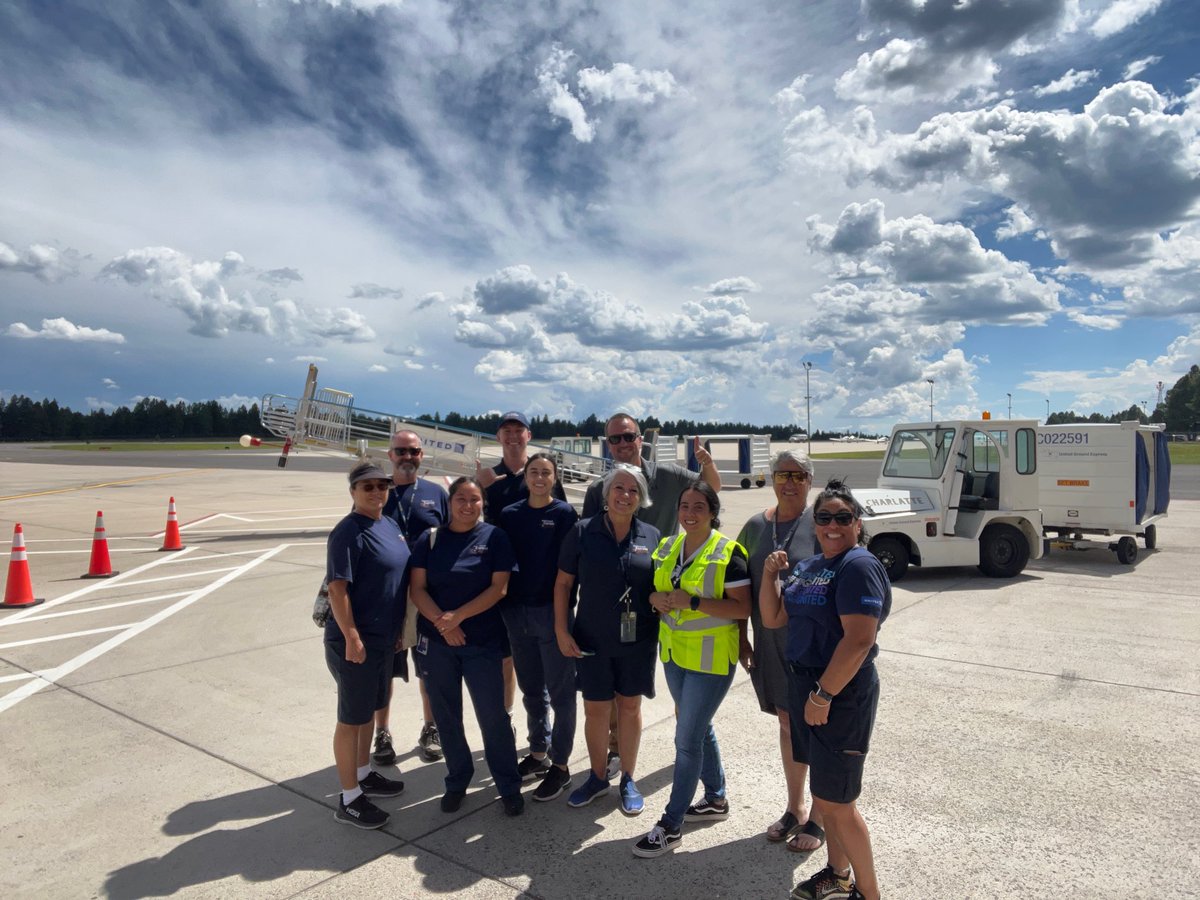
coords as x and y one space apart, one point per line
168 731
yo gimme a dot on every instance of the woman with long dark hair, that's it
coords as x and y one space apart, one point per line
459 574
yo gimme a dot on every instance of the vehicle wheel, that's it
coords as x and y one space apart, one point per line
1126 551
745 484
1151 537
893 554
1003 551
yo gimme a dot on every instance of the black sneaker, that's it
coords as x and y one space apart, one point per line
384 753
361 813
375 785
430 743
553 785
825 885
707 811
452 800
661 839
531 768
514 805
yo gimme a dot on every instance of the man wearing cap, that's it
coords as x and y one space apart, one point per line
504 483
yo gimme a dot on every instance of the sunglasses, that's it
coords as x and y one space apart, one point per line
785 477
369 486
842 518
407 451
627 436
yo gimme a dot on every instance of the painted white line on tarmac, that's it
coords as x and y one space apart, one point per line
90 609
111 550
123 578
250 531
62 637
48 677
23 676
141 581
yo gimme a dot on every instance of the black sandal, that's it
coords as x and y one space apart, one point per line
782 829
810 828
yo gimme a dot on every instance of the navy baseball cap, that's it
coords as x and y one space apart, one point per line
514 416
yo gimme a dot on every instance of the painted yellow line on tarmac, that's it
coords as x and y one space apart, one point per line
85 487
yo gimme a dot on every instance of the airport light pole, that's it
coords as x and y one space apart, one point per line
808 406
930 380
1009 404
1047 410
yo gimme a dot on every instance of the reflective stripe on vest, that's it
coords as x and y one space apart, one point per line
689 637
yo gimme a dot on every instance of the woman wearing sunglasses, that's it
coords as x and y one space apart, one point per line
788 527
833 605
367 570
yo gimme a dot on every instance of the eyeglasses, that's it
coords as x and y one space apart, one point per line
627 436
369 486
785 477
407 451
842 518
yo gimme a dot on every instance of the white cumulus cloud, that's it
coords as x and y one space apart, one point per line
62 330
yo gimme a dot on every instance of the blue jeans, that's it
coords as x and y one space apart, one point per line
697 756
444 669
546 679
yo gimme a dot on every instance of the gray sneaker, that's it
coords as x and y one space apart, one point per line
613 767
430 743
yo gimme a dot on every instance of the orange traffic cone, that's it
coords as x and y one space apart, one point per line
171 539
100 565
19 590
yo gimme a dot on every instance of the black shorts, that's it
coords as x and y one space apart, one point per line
836 751
400 665
362 687
600 677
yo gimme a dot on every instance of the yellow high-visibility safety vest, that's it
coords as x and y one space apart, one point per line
693 639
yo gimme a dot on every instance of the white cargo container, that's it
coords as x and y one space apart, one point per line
1103 481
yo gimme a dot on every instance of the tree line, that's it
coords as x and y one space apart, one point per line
23 419
1179 409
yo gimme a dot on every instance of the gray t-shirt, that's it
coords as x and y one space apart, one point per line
667 482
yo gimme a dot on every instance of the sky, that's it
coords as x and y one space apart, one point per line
568 208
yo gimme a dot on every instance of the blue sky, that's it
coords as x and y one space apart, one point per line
568 207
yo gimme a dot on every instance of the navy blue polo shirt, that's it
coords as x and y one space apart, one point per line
417 507
504 492
536 536
458 568
603 569
818 591
372 557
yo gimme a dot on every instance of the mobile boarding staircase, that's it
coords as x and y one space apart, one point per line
327 419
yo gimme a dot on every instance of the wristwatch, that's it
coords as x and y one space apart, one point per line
695 603
822 693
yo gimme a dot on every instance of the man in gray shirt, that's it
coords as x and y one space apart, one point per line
667 480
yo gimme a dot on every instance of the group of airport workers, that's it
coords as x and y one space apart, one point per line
590 605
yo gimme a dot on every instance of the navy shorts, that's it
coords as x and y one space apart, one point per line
600 677
400 665
362 687
835 752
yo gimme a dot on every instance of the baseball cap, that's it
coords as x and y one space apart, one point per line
514 416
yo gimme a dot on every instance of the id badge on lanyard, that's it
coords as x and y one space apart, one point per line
629 619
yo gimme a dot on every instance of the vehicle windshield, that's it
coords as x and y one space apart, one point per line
918 453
